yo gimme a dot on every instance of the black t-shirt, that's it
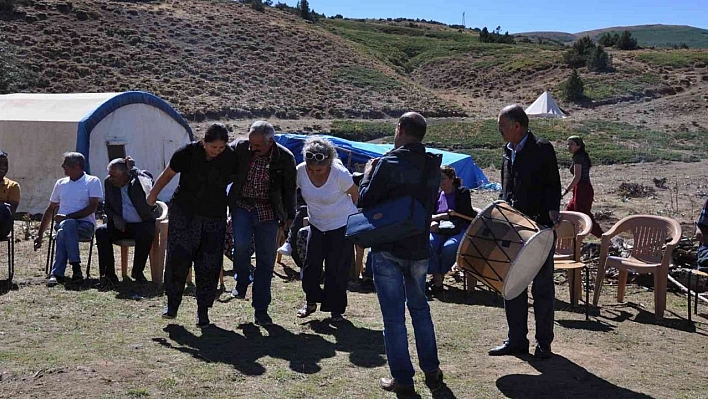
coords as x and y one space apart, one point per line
202 183
583 160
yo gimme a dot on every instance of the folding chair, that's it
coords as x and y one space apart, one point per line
10 255
51 248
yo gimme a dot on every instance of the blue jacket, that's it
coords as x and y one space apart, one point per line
397 174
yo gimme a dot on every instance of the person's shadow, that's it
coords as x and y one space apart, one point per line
303 351
365 346
561 378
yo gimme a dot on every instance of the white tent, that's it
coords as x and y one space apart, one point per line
36 129
545 107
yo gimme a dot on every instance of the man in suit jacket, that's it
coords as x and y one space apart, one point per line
531 184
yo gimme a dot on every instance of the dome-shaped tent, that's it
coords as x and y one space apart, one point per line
36 129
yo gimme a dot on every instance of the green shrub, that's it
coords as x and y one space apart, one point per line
598 60
574 89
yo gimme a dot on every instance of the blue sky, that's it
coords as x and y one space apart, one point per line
523 16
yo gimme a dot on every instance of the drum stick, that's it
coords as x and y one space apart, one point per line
459 215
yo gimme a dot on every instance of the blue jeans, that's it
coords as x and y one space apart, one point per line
443 252
400 282
247 225
702 257
67 243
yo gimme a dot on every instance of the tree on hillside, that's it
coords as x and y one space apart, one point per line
485 36
599 60
574 90
303 7
608 39
626 41
577 56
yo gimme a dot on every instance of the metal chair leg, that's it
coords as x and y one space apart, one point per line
689 295
88 266
587 292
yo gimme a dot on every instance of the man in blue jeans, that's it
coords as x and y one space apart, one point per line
75 199
400 267
262 199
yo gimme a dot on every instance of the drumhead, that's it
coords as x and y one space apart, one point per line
527 264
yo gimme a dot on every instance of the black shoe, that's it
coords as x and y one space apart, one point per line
506 349
77 277
542 352
262 318
169 313
112 278
140 278
434 380
336 317
391 385
203 318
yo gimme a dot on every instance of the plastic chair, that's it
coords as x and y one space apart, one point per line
10 255
651 254
126 243
571 232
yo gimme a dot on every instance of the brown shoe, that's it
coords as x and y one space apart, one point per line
391 385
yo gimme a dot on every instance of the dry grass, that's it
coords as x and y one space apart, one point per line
88 343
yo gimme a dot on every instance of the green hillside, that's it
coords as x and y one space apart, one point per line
660 36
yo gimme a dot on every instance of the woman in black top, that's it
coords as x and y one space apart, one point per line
583 193
197 218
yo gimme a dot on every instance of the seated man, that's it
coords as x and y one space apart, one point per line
702 237
9 197
129 217
76 196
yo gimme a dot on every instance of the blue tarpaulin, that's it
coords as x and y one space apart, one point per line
354 156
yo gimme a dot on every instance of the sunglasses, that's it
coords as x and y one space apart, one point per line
316 156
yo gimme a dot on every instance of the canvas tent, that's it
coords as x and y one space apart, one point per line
355 154
545 107
36 129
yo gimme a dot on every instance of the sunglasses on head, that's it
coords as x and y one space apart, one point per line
316 156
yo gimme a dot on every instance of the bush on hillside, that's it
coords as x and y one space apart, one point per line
599 60
626 41
608 39
574 89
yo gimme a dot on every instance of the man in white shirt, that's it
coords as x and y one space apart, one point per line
76 197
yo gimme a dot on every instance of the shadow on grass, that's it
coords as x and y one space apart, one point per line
645 317
561 378
365 346
216 345
481 297
6 286
589 325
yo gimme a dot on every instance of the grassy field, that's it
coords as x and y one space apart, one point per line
78 342
607 142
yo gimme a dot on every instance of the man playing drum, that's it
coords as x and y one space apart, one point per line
531 184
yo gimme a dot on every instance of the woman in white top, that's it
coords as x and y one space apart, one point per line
330 193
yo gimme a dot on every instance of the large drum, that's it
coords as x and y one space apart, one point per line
504 249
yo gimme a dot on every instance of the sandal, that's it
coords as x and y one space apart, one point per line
306 310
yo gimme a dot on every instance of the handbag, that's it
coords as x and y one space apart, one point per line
388 221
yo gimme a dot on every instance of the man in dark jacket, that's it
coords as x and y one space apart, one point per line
129 217
400 267
262 200
531 184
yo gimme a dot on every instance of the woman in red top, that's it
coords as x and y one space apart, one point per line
583 193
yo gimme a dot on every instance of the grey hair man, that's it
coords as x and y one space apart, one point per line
74 199
262 199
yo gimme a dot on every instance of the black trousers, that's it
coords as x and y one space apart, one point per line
543 291
198 239
333 250
5 220
143 233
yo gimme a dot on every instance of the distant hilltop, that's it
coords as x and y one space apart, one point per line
659 36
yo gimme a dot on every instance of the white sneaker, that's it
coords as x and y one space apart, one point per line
286 249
